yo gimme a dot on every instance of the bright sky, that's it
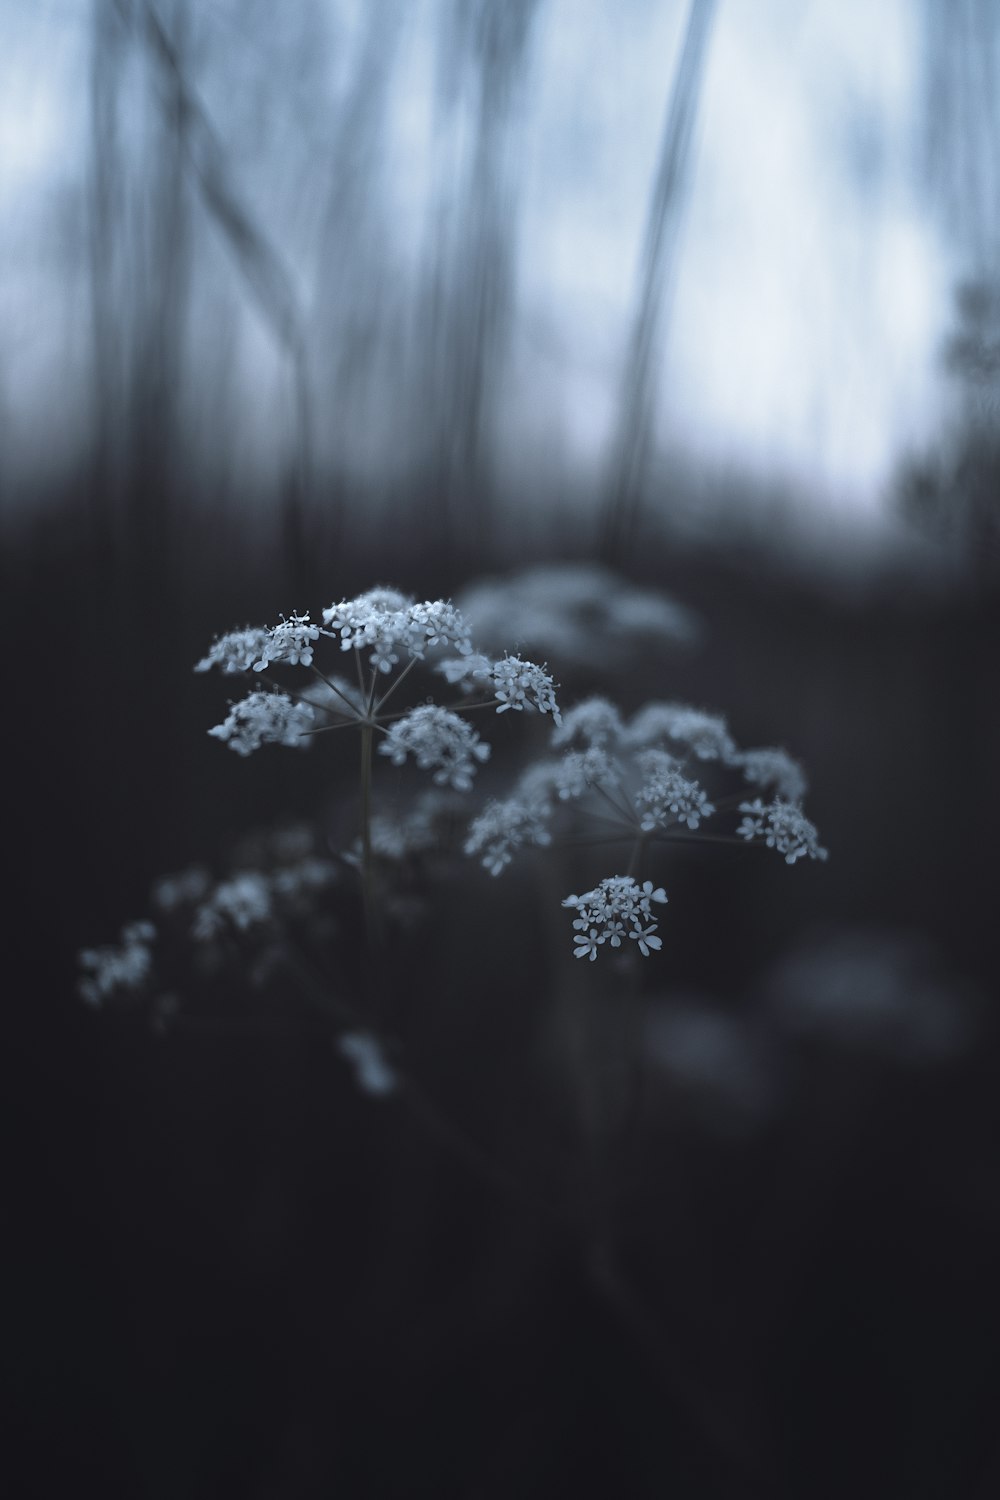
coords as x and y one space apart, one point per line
811 290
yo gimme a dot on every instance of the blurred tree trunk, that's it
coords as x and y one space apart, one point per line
468 298
662 237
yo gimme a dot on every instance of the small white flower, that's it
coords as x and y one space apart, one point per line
615 907
644 937
588 946
782 826
234 652
264 718
666 795
289 642
440 741
521 684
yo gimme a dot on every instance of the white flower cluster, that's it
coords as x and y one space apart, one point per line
264 718
617 908
512 682
704 734
580 770
503 827
440 742
418 830
521 684
289 642
243 902
666 795
387 623
595 723
782 826
236 651
126 967
773 770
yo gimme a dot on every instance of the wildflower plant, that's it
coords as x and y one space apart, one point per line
655 778
385 635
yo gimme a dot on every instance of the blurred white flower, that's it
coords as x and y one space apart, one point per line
581 615
236 651
244 902
773 770
596 723
439 741
265 718
125 967
182 889
883 992
580 770
704 734
503 827
371 1070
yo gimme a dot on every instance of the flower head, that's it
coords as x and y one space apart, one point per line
618 905
782 826
521 684
503 827
773 770
388 624
236 651
264 718
704 734
595 723
668 796
290 642
440 742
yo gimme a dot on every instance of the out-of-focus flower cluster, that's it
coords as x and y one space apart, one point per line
588 619
124 967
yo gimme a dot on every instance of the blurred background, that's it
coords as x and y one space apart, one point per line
667 336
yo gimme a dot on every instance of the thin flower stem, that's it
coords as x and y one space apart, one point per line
596 817
346 724
636 855
370 698
367 892
279 687
629 817
361 680
672 836
335 689
394 685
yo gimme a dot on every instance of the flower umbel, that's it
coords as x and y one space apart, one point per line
618 907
